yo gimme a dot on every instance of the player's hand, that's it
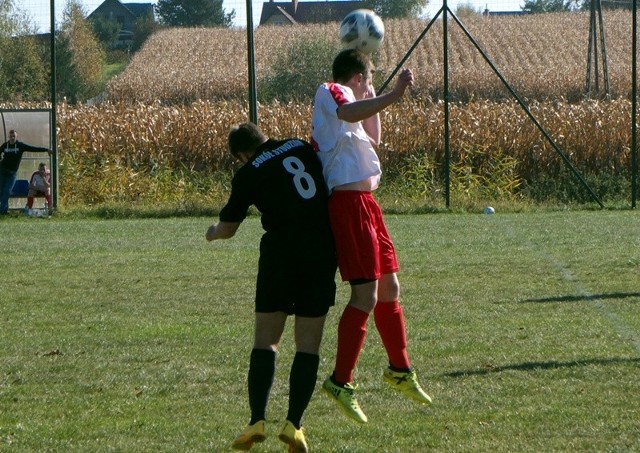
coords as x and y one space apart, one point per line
222 230
211 233
371 92
404 80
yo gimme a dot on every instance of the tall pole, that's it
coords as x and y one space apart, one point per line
603 49
253 102
447 152
54 105
596 34
590 53
594 43
634 108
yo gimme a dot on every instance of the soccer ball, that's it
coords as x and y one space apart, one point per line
489 210
362 29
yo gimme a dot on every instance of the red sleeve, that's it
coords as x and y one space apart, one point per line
337 94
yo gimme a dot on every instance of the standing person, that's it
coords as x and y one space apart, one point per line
296 269
40 185
11 153
346 130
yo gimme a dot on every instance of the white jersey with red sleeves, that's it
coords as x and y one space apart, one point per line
344 148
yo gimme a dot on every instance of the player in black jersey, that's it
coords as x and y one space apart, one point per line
296 269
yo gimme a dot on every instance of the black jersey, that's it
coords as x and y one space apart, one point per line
297 263
284 181
12 154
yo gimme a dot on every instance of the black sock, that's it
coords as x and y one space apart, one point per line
302 383
333 380
399 370
262 368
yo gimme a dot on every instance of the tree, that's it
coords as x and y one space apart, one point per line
23 73
6 20
6 30
296 72
194 13
397 8
25 76
549 6
144 27
80 58
106 30
466 10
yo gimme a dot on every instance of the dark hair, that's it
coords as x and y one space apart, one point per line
348 63
245 138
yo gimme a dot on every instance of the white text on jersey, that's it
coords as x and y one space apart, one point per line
266 155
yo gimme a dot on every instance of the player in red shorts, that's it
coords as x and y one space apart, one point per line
346 130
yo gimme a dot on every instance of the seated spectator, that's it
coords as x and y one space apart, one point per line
40 185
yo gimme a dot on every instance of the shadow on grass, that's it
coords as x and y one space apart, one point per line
578 298
550 365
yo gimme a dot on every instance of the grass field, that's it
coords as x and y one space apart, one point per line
134 335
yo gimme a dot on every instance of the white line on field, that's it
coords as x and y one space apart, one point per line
622 328
618 323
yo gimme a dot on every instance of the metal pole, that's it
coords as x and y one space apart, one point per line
54 106
447 151
634 107
253 102
590 48
603 49
595 53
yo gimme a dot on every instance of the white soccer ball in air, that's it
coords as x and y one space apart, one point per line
362 29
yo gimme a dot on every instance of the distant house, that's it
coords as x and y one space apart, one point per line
295 12
125 14
486 12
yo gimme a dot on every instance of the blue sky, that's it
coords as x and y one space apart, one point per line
39 9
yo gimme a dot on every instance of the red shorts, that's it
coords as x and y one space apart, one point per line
363 245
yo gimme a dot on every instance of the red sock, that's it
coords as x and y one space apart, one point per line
29 202
352 330
389 320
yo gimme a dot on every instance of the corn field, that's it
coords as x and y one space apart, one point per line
595 134
543 56
140 140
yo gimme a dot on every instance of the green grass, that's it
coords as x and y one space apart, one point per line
134 335
111 70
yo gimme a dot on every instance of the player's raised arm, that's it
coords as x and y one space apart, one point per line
364 108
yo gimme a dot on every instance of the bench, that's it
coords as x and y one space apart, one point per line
21 190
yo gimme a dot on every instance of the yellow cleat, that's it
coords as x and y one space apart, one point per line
407 384
294 438
345 399
251 434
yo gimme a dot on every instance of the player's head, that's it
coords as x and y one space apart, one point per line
42 168
245 138
12 136
351 62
